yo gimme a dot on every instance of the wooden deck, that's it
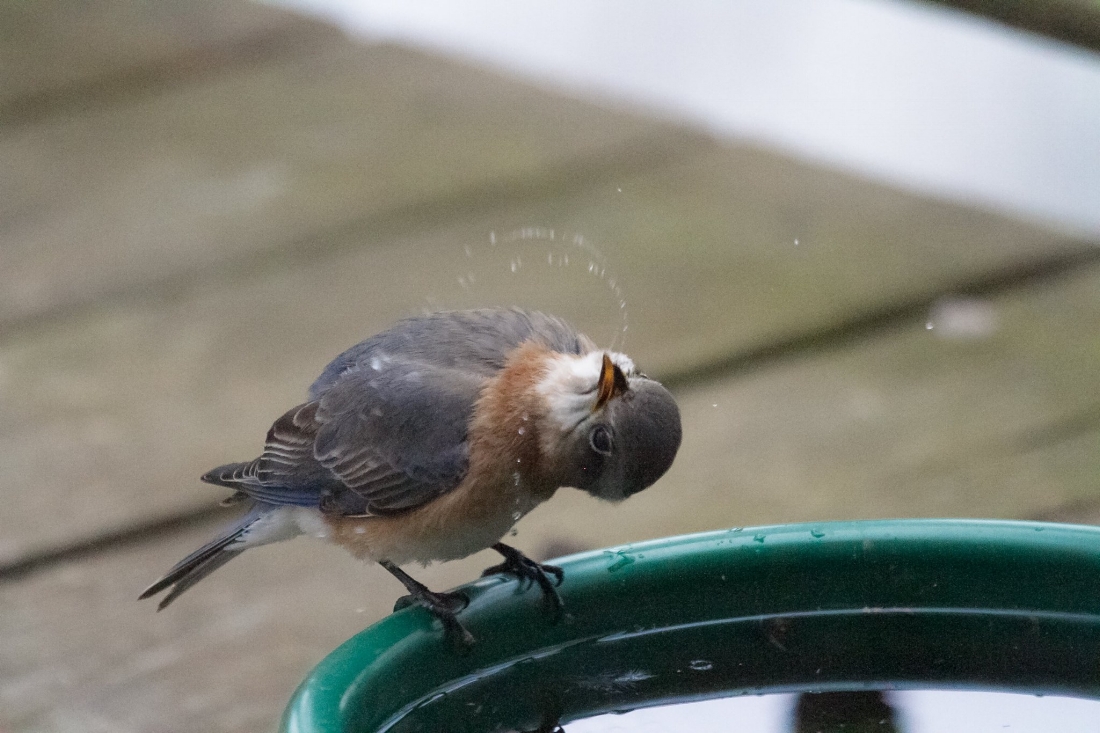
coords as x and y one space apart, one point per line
201 204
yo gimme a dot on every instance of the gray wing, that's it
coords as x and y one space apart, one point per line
378 440
397 436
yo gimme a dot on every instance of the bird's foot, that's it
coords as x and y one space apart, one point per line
442 602
444 606
517 564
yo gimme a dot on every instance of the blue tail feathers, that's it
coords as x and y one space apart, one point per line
204 560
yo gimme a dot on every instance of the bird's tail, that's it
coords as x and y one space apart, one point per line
204 560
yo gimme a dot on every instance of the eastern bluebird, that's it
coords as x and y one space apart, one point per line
429 441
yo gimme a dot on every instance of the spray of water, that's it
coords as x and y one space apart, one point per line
542 269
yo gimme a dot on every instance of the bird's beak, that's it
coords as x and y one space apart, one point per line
612 383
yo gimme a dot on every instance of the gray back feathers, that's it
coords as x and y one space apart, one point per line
476 341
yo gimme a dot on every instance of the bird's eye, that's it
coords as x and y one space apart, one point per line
600 440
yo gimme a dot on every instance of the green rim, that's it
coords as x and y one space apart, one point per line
846 605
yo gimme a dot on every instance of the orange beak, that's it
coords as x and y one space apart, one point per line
612 383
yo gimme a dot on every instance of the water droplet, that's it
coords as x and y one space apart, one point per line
928 326
619 190
376 364
817 533
701 665
516 516
796 243
360 610
515 478
360 530
523 417
714 404
759 538
521 431
511 246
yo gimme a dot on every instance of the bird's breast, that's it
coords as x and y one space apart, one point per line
467 520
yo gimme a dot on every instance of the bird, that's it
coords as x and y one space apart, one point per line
429 441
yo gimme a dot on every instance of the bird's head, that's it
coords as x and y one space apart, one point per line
609 431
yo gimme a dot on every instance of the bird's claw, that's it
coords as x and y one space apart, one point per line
444 602
528 571
443 606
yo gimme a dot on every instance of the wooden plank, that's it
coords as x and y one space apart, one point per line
990 422
63 56
81 654
114 413
1070 21
1003 422
986 414
283 157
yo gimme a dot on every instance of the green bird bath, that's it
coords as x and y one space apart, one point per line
945 604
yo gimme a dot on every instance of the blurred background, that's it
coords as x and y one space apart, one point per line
856 238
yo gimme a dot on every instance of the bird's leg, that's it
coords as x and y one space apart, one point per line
524 568
443 606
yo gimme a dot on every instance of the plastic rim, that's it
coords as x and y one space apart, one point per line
844 605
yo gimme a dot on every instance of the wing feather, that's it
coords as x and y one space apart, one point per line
374 443
396 435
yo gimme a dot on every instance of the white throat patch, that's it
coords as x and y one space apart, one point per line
569 386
